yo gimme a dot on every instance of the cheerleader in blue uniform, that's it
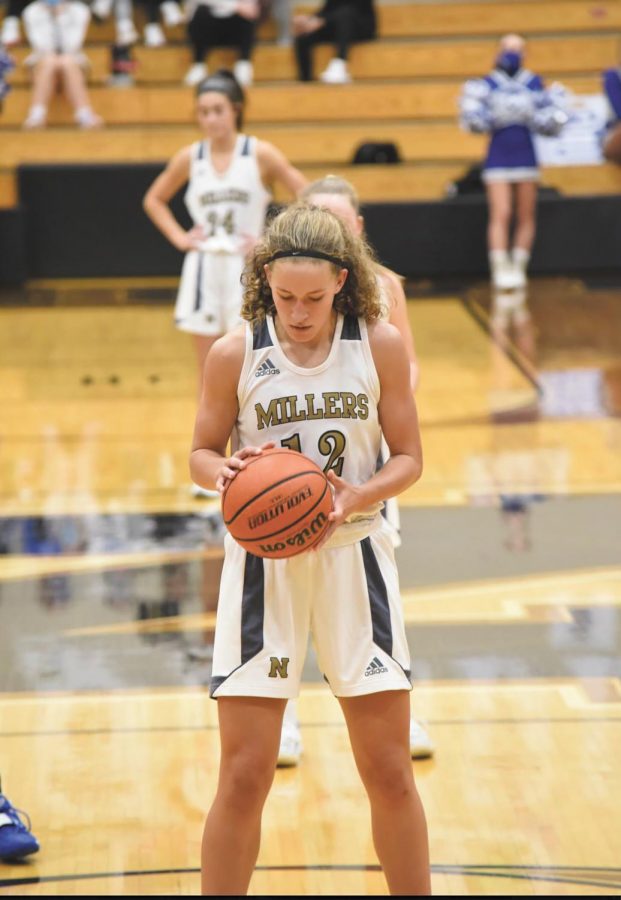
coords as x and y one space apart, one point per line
612 136
511 104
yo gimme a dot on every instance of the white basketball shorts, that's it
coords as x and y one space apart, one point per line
347 597
210 293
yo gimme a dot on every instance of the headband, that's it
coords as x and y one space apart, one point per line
222 86
313 254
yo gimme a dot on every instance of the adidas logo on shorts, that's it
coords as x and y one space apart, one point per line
266 368
375 667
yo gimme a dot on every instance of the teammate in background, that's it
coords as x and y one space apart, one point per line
228 177
511 104
311 303
16 839
340 197
612 137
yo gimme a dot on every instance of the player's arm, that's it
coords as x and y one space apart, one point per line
397 414
399 422
159 195
274 166
399 318
210 466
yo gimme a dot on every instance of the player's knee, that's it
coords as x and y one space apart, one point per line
246 780
388 777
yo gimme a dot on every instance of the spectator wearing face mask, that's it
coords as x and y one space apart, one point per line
56 30
511 104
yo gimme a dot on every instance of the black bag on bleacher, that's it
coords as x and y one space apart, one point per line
372 153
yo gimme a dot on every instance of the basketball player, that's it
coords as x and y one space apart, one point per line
511 104
338 381
228 176
340 197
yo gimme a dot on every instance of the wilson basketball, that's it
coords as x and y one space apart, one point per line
278 505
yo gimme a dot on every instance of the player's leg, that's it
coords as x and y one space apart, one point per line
378 726
249 735
526 223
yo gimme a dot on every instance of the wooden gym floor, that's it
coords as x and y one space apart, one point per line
511 580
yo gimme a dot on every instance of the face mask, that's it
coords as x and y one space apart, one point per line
509 61
53 2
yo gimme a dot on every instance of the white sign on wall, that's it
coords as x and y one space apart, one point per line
579 143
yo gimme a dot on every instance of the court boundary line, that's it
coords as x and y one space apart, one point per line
555 720
507 871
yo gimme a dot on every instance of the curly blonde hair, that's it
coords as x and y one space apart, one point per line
305 227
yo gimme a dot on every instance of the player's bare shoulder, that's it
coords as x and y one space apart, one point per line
226 356
387 346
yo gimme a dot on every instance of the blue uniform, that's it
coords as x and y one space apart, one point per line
612 89
511 108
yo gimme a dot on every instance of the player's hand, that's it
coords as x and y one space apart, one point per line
347 499
236 462
192 239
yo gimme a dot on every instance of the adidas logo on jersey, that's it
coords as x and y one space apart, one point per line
375 667
266 368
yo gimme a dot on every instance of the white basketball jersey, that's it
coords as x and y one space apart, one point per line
328 412
231 204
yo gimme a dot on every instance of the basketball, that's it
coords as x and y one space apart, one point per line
278 505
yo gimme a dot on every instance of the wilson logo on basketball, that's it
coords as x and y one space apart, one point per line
301 538
287 503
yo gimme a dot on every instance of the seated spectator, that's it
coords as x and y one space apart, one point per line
339 22
612 137
172 15
10 35
56 30
222 23
125 29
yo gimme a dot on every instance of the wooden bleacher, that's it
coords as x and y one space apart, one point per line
405 89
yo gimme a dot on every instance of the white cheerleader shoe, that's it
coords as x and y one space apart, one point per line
505 274
195 74
336 72
153 35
